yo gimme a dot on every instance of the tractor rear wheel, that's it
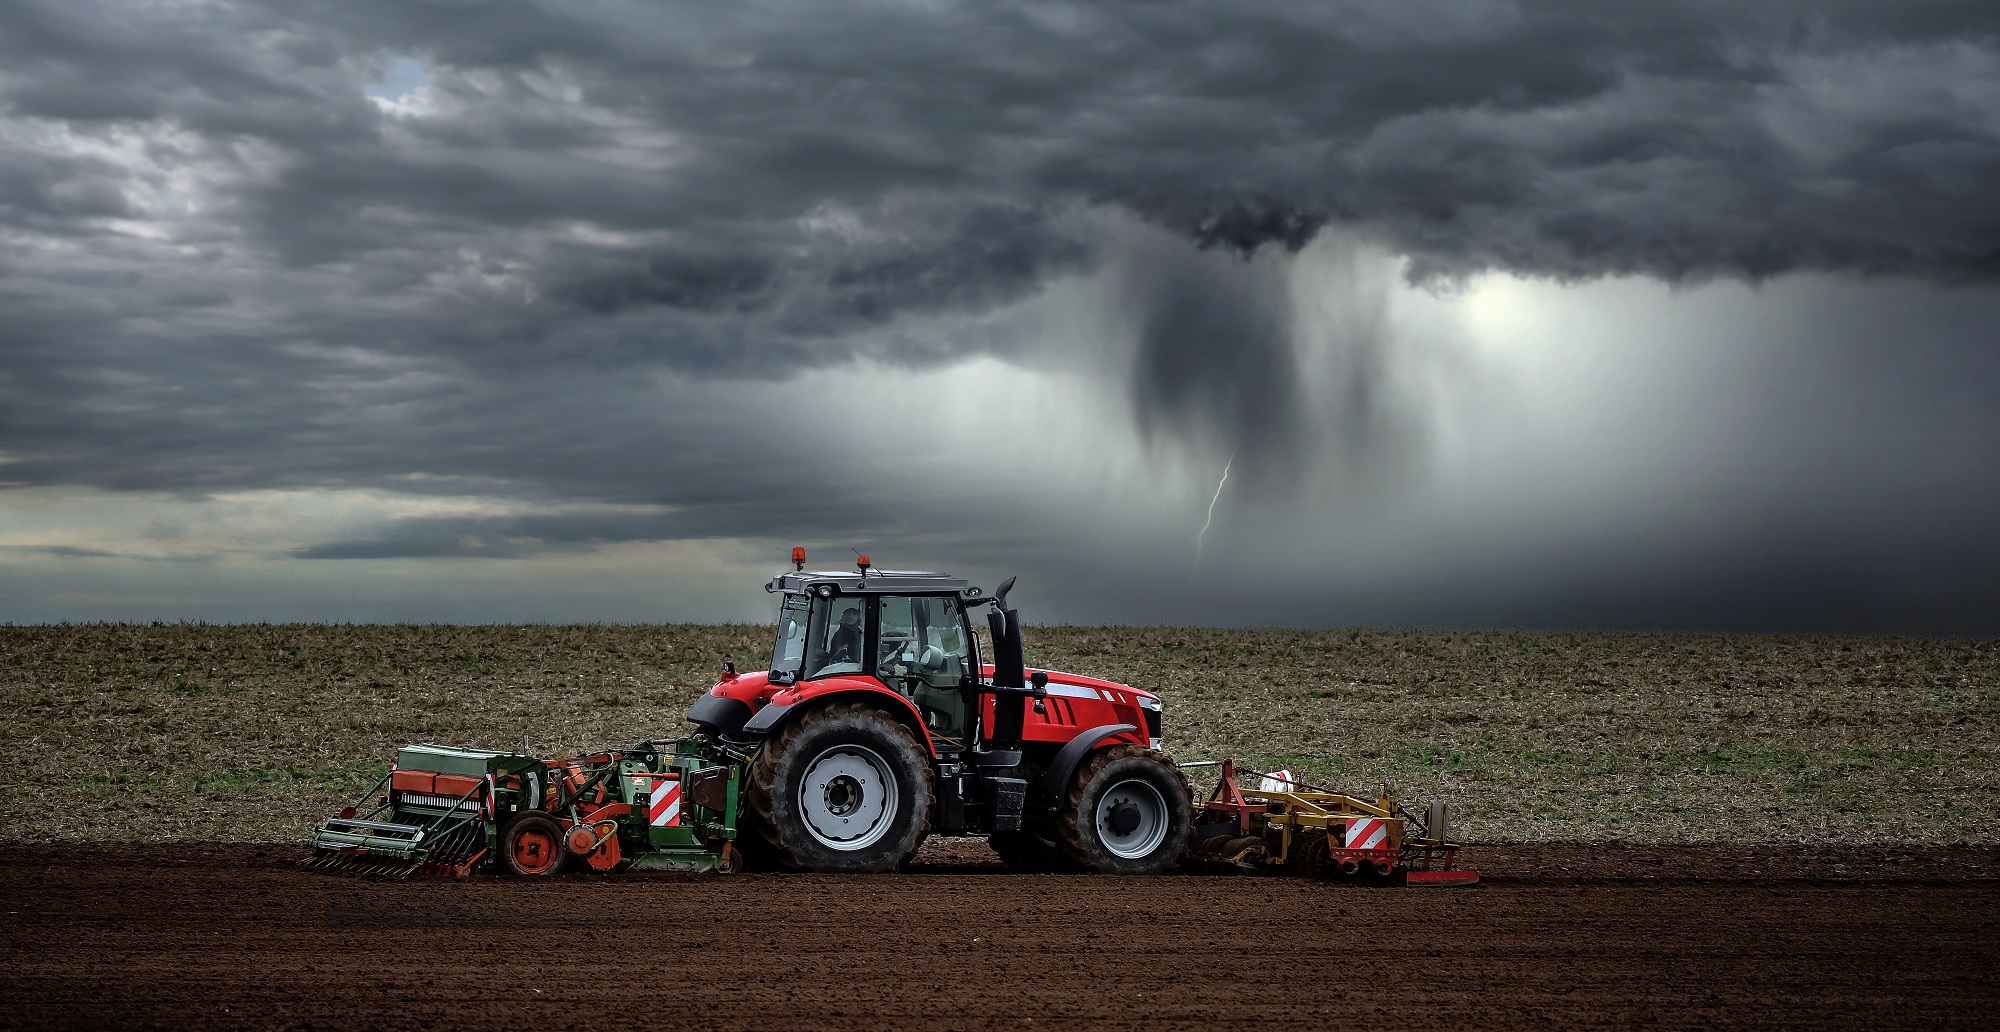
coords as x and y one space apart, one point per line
1128 811
531 846
844 788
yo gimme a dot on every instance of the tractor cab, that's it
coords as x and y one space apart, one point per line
907 630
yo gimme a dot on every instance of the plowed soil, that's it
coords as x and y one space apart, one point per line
1555 936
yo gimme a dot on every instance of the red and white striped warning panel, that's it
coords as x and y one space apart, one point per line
666 809
1366 833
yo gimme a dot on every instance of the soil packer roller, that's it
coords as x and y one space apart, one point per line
877 724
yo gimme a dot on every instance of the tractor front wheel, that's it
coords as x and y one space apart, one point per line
531 846
1128 812
840 789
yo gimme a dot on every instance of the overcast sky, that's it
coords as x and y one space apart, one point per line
1672 315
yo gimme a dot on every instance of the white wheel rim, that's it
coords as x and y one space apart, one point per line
848 797
1132 819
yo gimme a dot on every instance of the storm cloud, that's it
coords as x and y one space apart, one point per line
577 255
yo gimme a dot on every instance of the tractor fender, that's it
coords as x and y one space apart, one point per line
772 715
768 717
719 713
1055 780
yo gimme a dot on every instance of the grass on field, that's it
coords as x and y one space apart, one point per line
254 733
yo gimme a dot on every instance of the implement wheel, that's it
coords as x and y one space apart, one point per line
1310 856
1127 812
531 846
841 789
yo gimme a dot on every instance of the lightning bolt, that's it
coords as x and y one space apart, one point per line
1211 508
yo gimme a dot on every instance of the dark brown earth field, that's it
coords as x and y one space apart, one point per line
210 936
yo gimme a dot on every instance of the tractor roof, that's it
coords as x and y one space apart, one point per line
878 582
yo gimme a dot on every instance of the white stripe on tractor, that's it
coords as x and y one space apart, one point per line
666 809
1366 833
1072 691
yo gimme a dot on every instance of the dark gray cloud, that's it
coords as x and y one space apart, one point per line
226 265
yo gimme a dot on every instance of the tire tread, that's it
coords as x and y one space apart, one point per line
762 844
1070 827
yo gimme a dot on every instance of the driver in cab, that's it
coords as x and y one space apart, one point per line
844 646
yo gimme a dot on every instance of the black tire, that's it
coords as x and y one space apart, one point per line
1131 780
878 787
531 846
1311 855
1029 850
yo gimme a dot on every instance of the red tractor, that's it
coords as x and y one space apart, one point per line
879 723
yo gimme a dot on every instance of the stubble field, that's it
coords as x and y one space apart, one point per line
253 733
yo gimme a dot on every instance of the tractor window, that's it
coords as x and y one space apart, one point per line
940 627
898 634
791 647
838 634
924 654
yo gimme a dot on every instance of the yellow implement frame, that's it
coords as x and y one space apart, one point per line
1283 817
1303 812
